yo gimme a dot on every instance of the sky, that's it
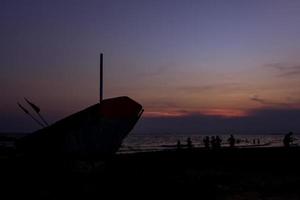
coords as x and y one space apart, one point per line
194 65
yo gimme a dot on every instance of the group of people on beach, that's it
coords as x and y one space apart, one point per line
189 143
215 142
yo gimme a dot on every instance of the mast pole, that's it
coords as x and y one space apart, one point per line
101 78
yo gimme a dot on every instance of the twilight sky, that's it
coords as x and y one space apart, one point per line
194 65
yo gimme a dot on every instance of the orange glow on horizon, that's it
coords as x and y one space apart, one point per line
226 113
165 114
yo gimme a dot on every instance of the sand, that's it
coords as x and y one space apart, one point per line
256 173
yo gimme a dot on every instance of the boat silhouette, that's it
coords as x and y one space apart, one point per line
97 131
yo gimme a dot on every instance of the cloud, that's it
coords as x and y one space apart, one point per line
272 104
285 70
258 99
266 102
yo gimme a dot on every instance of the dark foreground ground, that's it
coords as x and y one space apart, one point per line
261 173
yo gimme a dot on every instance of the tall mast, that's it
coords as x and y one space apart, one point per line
101 78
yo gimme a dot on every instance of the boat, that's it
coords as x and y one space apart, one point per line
96 131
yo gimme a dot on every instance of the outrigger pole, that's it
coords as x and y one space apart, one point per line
32 117
37 110
101 78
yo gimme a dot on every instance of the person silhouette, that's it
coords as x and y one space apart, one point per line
178 144
231 141
287 140
189 143
213 142
206 142
218 142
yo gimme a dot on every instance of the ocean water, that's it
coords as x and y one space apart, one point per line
156 142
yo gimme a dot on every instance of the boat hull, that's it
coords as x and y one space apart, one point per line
95 131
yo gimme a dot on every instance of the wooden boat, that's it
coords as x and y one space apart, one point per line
95 131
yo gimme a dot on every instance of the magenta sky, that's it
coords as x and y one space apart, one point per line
180 59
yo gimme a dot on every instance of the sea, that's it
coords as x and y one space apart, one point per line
155 142
145 142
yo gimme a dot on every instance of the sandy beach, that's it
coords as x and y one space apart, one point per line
253 173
